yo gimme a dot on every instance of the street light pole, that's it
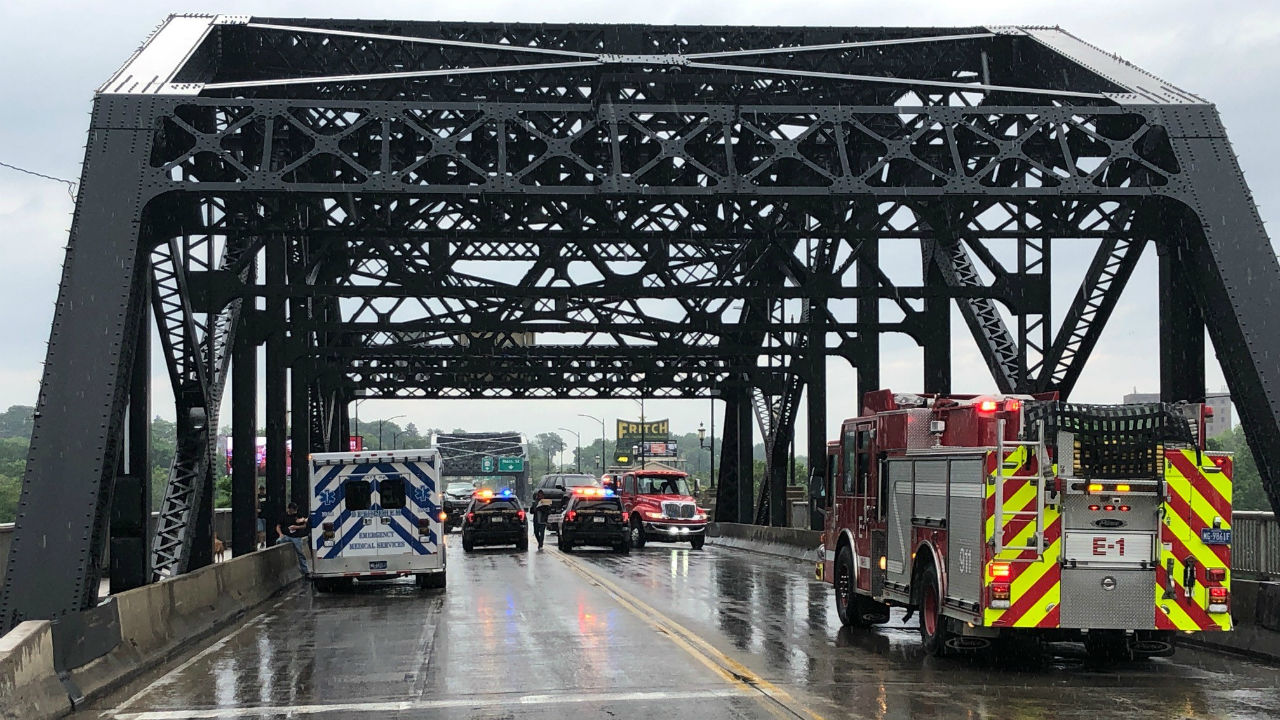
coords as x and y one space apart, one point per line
397 417
602 438
395 436
357 412
642 429
577 457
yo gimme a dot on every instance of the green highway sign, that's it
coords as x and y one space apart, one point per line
511 464
486 464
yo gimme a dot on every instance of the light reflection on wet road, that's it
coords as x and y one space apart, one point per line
534 635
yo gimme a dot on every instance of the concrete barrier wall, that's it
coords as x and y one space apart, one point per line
156 621
29 686
783 542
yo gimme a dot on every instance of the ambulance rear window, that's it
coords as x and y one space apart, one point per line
358 494
391 493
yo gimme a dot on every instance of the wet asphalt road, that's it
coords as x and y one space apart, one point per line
663 633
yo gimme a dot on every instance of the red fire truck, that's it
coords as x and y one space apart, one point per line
1023 517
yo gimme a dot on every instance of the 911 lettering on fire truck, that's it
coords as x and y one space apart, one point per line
1025 517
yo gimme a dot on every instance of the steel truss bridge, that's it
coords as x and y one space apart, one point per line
393 209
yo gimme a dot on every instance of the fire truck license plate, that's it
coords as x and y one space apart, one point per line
377 564
1215 536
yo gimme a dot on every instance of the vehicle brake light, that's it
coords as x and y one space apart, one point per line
1000 596
1219 600
625 516
1012 404
327 527
1124 508
571 516
1095 507
988 406
520 516
1000 570
471 517
1216 574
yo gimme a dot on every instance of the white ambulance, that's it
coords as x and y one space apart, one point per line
377 515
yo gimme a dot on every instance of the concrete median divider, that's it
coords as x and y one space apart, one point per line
156 622
782 542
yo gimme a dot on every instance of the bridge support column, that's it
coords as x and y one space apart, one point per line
131 497
937 332
735 493
244 432
276 386
79 414
1181 330
817 421
300 434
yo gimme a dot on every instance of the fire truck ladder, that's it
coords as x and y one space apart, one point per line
1045 469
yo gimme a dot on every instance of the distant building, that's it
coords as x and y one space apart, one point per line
1220 402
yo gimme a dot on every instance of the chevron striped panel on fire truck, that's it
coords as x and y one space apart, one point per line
1035 584
1197 497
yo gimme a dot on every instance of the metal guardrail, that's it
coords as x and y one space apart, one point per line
1255 545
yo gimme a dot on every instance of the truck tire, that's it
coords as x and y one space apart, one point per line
432 581
697 542
845 591
564 543
322 585
467 543
637 534
934 635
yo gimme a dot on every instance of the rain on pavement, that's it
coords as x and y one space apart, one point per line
656 634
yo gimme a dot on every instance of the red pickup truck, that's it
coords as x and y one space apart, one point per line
660 505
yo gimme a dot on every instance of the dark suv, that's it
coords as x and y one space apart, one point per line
495 519
457 496
594 516
553 490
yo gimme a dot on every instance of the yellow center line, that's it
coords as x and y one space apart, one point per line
782 704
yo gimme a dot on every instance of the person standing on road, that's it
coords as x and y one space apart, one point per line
262 516
292 528
541 509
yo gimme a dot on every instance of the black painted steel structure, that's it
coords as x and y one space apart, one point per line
460 210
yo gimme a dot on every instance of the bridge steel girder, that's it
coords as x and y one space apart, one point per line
622 184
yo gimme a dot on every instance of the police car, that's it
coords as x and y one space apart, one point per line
594 516
495 519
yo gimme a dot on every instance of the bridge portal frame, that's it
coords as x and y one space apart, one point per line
760 179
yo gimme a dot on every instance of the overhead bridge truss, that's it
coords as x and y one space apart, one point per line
466 210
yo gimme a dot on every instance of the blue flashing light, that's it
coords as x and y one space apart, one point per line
608 492
506 492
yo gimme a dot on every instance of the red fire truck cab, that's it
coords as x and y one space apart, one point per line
1024 516
660 505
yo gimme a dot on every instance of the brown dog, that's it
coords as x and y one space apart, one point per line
219 549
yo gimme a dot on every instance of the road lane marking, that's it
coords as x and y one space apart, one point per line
782 703
443 704
172 674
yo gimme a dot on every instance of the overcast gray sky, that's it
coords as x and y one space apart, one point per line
55 54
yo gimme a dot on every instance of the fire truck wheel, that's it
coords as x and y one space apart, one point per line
637 534
933 624
697 542
846 597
